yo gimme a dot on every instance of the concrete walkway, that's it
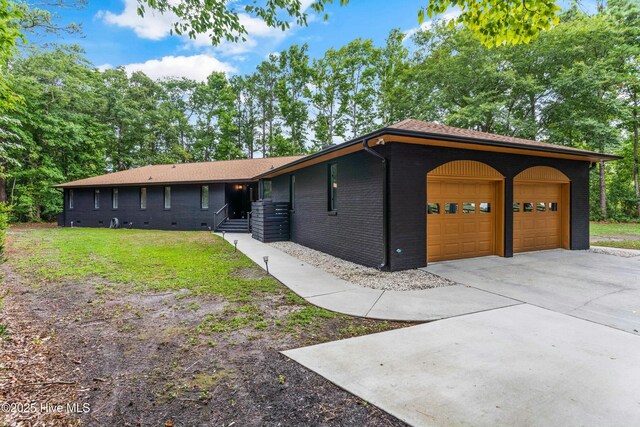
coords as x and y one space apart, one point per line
328 291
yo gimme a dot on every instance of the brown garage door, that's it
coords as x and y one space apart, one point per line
461 218
539 211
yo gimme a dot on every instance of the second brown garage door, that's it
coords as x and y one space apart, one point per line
540 210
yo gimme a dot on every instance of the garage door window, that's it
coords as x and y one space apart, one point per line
468 207
540 206
451 208
485 207
516 207
433 208
528 207
553 207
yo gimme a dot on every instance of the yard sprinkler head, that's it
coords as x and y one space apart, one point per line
235 244
266 262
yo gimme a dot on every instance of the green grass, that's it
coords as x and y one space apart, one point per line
599 229
624 244
142 259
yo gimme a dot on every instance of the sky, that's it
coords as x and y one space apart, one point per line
114 35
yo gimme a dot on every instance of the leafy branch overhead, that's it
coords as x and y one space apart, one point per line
498 22
220 19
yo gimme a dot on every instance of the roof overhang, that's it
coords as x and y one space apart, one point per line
150 184
392 135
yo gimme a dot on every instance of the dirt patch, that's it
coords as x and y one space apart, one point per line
143 359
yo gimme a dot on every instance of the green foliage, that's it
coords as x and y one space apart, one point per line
499 22
220 19
4 224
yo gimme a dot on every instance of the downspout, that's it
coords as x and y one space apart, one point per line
385 194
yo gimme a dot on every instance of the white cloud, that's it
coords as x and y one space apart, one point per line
447 16
154 25
196 67
104 67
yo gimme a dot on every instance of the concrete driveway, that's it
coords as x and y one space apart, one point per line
514 366
601 288
567 354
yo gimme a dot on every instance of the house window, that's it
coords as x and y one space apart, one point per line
70 199
204 197
333 186
267 189
114 198
96 199
143 198
167 197
292 191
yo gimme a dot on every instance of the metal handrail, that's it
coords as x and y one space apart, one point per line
216 224
249 219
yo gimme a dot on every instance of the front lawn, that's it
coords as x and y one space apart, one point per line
615 235
173 328
603 229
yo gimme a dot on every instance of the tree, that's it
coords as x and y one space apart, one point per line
60 129
266 78
626 15
394 74
290 89
246 118
214 126
327 82
357 99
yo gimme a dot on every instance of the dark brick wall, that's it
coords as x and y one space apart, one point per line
354 232
185 209
409 165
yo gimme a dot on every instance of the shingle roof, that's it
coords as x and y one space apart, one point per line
222 170
435 128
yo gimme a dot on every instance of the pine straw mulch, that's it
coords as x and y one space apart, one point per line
30 372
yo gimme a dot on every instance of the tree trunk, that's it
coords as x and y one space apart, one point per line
603 191
3 181
635 151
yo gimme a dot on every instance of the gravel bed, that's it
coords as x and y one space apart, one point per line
364 276
626 253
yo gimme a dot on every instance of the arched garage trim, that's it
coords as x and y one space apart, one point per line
542 173
542 228
466 169
465 211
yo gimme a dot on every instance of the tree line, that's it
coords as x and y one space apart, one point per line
575 85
